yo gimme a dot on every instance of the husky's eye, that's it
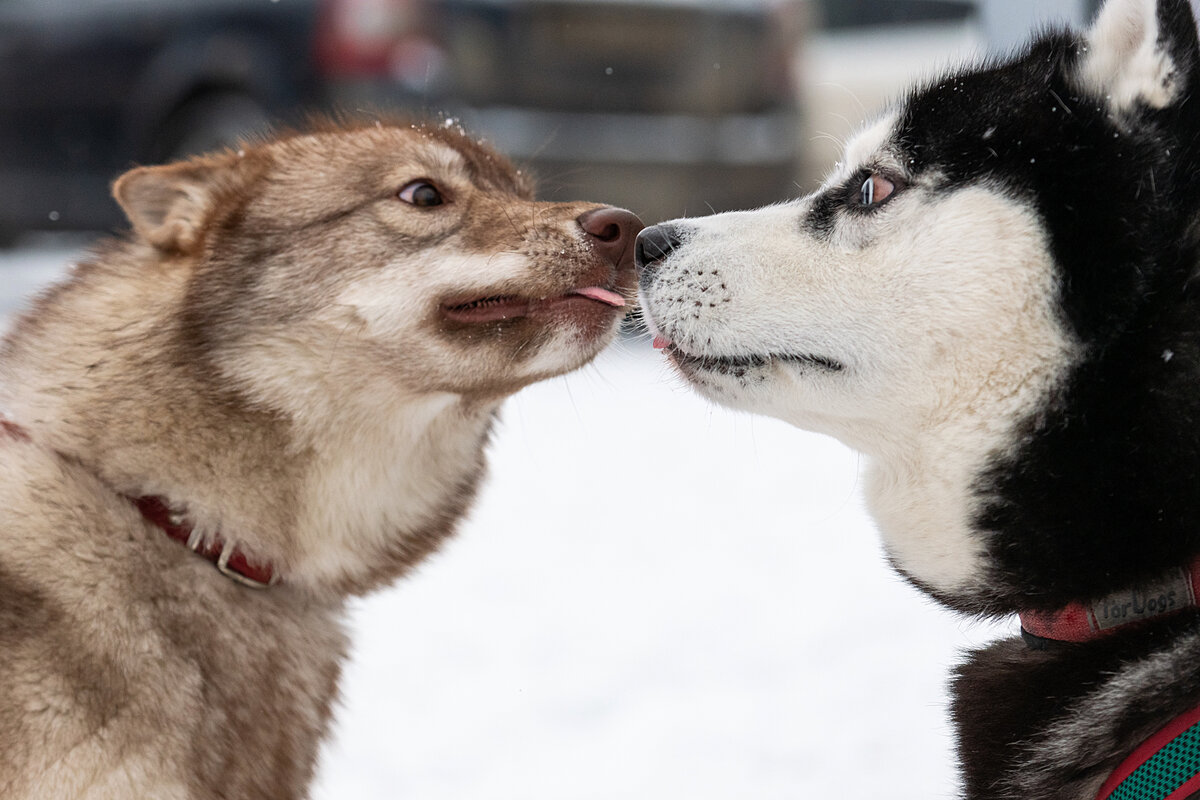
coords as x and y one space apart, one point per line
875 190
422 194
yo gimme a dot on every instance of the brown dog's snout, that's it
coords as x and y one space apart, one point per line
611 232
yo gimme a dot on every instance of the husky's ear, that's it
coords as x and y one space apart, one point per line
170 206
1140 51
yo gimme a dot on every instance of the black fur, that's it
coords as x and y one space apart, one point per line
1102 489
1090 502
1011 703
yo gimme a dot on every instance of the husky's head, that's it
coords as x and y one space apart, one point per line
992 297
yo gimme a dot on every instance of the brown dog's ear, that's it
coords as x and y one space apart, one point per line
169 206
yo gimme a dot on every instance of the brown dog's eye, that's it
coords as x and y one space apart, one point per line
422 194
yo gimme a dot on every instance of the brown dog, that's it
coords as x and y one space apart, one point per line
291 367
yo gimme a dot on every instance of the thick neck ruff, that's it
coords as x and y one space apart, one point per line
1174 591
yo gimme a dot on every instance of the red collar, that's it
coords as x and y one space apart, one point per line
1083 622
229 558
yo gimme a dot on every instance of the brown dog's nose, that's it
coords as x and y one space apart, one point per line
611 231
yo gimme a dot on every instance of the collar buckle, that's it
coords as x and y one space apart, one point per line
228 550
230 560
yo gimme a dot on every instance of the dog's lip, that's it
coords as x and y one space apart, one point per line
501 307
738 365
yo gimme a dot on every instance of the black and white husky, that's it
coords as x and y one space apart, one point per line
996 298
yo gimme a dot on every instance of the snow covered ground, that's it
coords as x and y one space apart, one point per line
654 598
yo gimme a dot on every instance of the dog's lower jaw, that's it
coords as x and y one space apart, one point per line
746 383
740 365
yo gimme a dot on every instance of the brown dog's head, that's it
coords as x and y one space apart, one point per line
408 257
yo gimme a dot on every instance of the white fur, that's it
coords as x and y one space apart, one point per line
134 776
938 306
863 147
397 299
1125 62
359 492
562 349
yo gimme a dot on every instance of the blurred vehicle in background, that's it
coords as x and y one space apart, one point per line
664 106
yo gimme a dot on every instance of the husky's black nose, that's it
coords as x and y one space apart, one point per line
653 245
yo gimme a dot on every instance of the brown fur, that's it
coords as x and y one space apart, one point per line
269 350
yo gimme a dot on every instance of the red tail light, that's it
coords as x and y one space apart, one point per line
379 39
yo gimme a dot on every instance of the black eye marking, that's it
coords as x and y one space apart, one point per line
422 194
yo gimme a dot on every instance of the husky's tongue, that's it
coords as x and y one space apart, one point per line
602 295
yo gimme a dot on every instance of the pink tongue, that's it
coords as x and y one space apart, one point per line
661 343
602 295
